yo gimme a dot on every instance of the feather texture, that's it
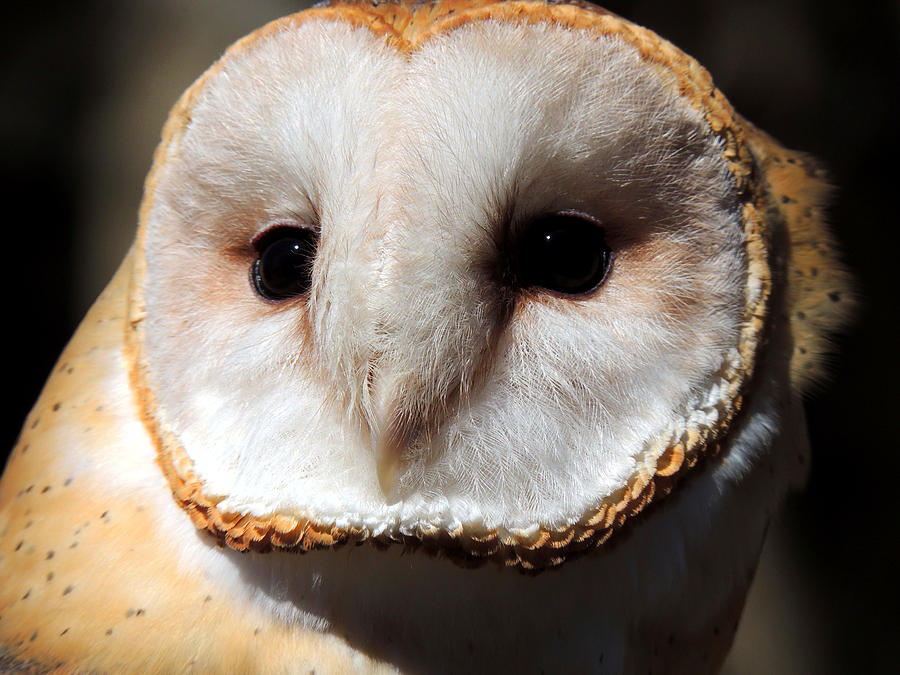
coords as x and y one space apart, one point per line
414 397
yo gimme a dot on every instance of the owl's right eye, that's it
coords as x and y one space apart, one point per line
285 263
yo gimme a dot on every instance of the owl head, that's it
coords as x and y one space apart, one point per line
482 277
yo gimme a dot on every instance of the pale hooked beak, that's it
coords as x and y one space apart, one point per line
387 464
387 444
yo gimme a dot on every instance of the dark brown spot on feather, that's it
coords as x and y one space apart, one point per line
45 490
68 589
56 406
834 296
50 555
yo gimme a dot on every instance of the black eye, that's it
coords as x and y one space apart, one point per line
564 252
284 266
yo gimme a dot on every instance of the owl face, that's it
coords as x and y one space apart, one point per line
489 281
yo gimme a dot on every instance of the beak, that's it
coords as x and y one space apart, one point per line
387 464
385 435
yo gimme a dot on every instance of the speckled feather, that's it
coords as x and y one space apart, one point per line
820 296
90 540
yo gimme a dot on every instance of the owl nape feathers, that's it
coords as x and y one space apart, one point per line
496 312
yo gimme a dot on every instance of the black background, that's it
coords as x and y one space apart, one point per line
819 75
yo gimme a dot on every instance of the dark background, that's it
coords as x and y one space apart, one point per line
85 88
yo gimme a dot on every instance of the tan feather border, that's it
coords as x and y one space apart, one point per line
406 25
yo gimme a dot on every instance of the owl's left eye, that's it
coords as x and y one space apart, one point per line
563 252
285 263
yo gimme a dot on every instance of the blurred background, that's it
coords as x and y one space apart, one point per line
85 88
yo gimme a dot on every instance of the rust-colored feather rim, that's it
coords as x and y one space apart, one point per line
406 25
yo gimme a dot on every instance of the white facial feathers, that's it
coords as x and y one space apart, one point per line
503 409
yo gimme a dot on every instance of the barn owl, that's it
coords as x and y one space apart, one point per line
456 336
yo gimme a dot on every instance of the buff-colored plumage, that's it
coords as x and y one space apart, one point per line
638 439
